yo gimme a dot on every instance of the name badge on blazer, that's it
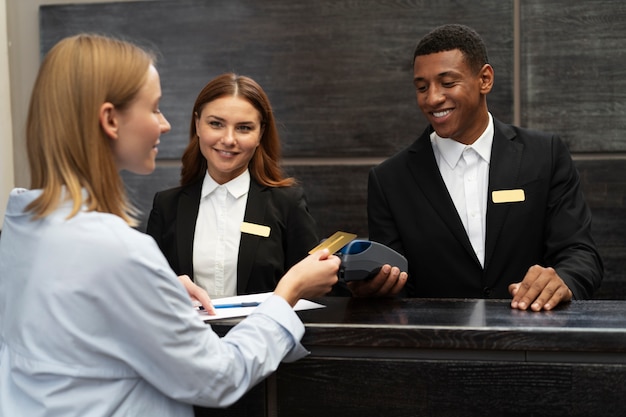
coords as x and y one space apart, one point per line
255 229
508 196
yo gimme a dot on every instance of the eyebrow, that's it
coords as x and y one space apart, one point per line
221 119
440 75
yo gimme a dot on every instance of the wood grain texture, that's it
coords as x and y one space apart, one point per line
337 196
395 388
436 325
338 73
573 76
433 357
604 185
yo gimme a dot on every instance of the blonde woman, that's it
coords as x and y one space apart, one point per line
92 319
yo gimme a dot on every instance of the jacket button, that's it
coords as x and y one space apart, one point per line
487 292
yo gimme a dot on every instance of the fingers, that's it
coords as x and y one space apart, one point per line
197 294
394 283
388 282
541 289
201 296
369 287
325 255
314 276
322 254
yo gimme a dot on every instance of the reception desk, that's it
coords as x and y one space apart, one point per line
427 357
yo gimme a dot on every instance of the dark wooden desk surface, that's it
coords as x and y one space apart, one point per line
588 326
438 357
580 326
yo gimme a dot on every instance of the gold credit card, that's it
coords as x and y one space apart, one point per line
335 242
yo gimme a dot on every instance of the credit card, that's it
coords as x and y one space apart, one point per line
335 242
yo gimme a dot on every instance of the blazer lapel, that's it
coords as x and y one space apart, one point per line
188 206
255 213
425 171
506 159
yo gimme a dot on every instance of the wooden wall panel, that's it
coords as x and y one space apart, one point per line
337 196
604 185
339 77
338 73
573 76
573 84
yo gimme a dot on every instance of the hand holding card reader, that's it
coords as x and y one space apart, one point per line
362 259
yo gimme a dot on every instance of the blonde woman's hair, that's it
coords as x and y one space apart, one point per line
65 143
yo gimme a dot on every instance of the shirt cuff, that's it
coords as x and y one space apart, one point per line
281 312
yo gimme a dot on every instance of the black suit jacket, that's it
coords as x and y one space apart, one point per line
262 260
410 210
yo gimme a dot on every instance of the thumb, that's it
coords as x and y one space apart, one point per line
322 254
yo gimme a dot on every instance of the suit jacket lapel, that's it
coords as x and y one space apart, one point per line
255 213
425 171
188 206
506 159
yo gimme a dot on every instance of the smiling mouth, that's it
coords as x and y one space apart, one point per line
442 113
225 153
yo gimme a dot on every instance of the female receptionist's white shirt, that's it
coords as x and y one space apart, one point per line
93 322
218 234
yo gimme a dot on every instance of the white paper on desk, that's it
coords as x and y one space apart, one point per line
224 313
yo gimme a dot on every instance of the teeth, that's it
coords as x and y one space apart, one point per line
440 113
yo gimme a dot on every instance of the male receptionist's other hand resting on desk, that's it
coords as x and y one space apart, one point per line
541 288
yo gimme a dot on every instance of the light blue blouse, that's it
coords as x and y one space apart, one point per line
93 322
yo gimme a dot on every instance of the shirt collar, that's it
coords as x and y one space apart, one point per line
236 187
451 150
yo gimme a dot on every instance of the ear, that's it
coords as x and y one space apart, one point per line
486 76
108 120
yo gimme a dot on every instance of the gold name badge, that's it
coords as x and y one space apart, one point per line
255 229
508 196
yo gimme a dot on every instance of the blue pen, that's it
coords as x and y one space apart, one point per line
235 305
